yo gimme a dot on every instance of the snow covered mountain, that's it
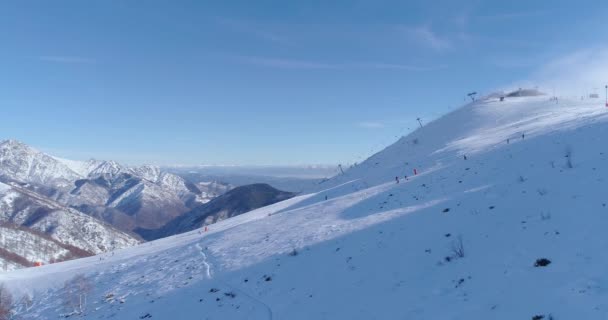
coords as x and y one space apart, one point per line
127 197
23 247
212 189
234 202
20 162
504 219
68 202
36 229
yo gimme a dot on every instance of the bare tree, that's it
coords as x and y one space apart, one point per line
75 292
6 303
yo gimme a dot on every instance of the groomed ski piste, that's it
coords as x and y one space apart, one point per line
517 230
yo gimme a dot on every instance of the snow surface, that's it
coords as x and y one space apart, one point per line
362 246
4 187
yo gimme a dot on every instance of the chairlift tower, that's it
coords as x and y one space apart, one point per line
472 95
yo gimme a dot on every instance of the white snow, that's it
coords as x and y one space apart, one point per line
376 249
81 167
4 187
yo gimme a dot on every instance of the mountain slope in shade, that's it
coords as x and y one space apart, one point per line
235 202
516 230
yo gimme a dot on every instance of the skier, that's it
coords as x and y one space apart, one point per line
465 157
523 135
397 179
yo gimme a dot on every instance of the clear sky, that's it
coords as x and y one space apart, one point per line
268 82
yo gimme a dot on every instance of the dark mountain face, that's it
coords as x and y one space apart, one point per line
233 203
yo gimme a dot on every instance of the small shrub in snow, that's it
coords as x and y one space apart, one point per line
6 303
75 292
458 248
542 262
26 302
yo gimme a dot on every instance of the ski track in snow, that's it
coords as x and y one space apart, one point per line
205 263
240 291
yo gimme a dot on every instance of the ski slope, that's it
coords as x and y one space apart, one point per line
457 241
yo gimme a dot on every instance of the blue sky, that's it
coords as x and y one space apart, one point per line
268 82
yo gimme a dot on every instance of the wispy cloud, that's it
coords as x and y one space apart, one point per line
515 61
254 29
394 66
371 125
67 59
286 63
427 37
513 15
577 72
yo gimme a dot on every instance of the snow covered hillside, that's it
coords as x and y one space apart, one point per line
36 229
505 220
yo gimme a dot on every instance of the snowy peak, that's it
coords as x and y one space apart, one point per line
83 168
107 168
24 163
148 172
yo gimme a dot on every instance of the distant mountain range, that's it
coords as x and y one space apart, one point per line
127 197
60 209
287 178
